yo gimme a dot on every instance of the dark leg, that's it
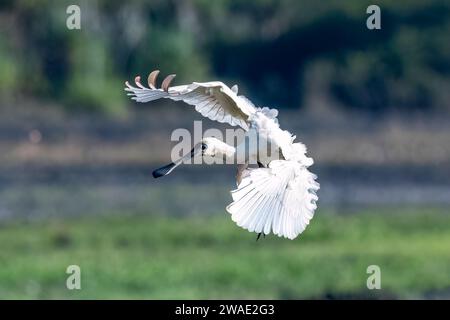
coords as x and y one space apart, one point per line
259 235
241 168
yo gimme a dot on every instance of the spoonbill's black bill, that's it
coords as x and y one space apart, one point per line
163 171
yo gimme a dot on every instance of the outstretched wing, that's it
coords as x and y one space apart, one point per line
213 100
281 198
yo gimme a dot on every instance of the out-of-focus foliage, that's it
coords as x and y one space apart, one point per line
131 256
276 50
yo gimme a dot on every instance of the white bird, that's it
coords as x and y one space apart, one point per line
279 196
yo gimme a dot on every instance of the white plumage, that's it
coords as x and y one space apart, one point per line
213 100
279 196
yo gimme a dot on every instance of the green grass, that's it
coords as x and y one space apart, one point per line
154 257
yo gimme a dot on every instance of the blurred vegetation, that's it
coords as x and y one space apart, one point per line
206 257
276 50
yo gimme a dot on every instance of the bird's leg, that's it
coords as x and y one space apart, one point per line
240 172
259 235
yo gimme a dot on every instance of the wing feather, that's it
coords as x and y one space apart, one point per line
213 100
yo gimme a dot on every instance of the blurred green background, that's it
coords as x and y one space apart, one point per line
76 155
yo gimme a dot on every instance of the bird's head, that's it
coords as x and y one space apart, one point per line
207 147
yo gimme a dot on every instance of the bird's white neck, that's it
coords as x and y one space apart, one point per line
225 149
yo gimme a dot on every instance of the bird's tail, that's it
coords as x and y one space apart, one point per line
281 198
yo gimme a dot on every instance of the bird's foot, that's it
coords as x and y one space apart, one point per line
259 235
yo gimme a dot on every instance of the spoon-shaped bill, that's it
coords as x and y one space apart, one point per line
160 172
163 171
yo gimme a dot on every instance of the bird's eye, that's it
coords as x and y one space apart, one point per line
204 146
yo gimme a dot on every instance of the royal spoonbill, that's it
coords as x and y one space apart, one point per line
279 195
